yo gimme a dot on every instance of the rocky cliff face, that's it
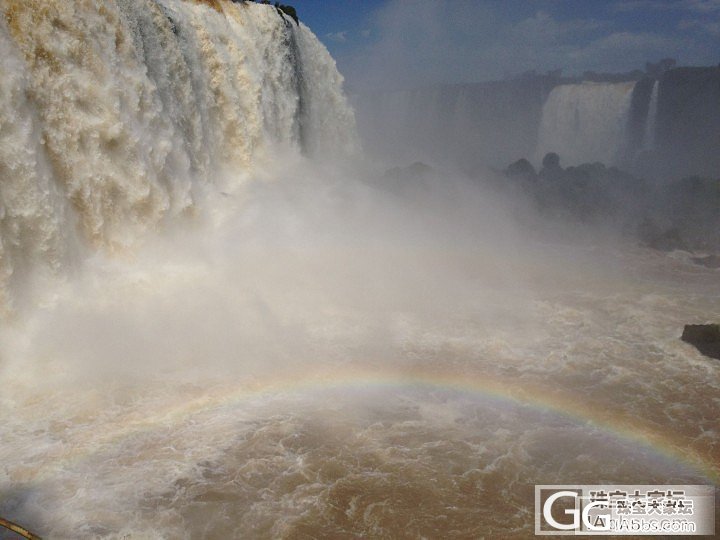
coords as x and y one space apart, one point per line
688 123
665 126
467 125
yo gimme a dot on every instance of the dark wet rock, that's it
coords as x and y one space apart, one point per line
551 169
688 121
588 192
551 161
710 261
522 168
400 179
522 173
705 338
660 239
693 204
416 171
666 216
669 240
420 169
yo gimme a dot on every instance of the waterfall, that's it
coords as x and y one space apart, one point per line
651 122
585 122
117 115
470 126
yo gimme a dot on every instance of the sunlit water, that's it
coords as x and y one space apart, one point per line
585 122
429 424
204 336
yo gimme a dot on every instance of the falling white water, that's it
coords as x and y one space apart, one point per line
119 115
651 122
329 359
585 122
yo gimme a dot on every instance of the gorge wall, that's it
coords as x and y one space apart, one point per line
666 126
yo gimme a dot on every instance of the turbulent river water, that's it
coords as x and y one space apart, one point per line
211 331
314 383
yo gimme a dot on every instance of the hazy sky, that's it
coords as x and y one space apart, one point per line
380 43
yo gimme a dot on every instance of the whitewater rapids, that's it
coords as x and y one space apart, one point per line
309 383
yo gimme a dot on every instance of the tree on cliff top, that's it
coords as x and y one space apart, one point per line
290 11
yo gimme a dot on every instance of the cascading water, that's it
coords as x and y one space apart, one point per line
314 356
117 115
585 122
651 122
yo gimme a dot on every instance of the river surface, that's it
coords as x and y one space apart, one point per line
311 413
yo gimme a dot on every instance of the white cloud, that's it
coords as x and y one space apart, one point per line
422 42
543 28
629 41
703 6
338 37
709 27
636 5
697 6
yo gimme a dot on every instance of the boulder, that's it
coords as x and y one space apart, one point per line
711 261
551 161
522 169
416 171
551 170
401 179
705 338
662 240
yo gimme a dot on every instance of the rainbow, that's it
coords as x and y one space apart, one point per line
542 399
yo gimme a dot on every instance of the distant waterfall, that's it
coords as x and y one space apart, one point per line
651 122
116 114
585 122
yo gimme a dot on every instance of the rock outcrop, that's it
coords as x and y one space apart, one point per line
709 261
705 338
